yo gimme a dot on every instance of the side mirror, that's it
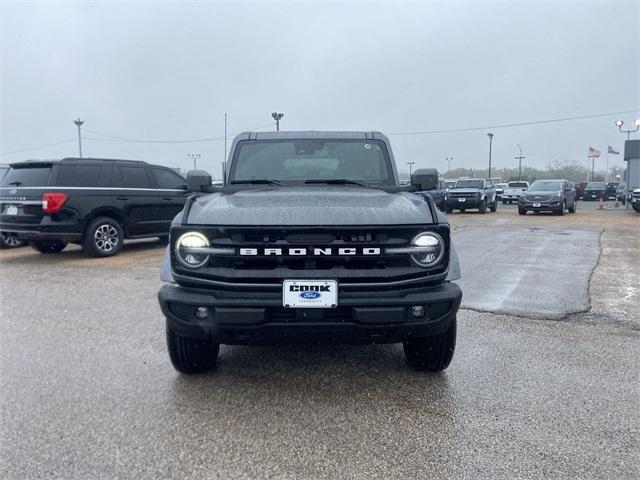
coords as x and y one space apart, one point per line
198 181
425 178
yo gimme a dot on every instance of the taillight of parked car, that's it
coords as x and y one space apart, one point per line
52 202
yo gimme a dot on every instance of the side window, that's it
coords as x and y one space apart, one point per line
167 179
79 175
130 177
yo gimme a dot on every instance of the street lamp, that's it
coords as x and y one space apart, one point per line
520 158
277 116
620 123
410 165
195 157
449 160
490 135
79 124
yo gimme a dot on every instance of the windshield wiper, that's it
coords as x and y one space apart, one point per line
17 184
336 181
256 181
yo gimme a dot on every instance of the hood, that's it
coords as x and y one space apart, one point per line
310 206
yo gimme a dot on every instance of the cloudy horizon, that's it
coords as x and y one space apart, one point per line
170 72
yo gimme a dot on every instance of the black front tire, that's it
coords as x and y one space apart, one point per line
522 211
48 246
562 208
483 206
103 237
191 355
494 207
433 353
573 207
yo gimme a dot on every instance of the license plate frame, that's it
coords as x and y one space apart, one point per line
310 293
11 210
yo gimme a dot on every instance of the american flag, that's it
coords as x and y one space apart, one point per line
594 152
612 151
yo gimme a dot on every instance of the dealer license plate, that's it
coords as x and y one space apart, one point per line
11 210
462 199
536 204
310 293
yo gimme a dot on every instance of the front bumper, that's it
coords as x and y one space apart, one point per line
258 318
469 202
540 206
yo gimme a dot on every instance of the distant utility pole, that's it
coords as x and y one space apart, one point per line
224 159
520 158
195 157
410 165
79 123
490 135
277 117
449 160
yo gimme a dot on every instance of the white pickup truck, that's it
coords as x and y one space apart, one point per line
513 190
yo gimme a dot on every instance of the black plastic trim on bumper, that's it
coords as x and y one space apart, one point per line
258 318
470 202
38 232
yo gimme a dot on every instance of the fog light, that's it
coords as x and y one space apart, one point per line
202 313
417 311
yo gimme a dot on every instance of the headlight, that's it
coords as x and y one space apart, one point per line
185 249
433 246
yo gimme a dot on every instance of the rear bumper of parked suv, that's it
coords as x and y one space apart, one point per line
46 229
258 318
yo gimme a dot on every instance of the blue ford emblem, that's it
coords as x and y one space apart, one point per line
309 295
13 191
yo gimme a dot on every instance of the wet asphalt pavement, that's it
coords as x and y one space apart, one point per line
87 390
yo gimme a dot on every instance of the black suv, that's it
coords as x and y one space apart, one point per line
96 203
472 193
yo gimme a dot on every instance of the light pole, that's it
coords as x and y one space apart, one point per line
449 160
195 157
79 123
520 158
410 165
490 135
620 123
277 117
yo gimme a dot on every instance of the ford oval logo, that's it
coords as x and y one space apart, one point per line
309 295
13 191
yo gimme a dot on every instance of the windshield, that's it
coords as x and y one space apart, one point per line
546 186
518 185
469 184
450 183
597 185
299 160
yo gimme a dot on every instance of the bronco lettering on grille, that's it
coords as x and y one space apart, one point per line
309 251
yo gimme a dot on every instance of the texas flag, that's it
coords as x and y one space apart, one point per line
594 152
612 151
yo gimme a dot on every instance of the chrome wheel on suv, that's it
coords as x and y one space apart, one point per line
103 238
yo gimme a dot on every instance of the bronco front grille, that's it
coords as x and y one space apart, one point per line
358 268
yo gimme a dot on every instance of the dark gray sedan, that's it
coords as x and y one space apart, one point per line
556 196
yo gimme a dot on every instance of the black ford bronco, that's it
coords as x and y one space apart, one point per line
311 239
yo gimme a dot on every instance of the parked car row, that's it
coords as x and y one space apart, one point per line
96 203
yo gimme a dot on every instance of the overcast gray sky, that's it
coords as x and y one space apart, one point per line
170 71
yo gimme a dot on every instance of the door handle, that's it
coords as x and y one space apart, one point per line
124 199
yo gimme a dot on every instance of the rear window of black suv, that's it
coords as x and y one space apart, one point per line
27 176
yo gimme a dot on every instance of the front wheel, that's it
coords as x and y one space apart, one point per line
483 206
522 211
562 208
191 355
103 237
494 207
433 353
573 207
48 246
